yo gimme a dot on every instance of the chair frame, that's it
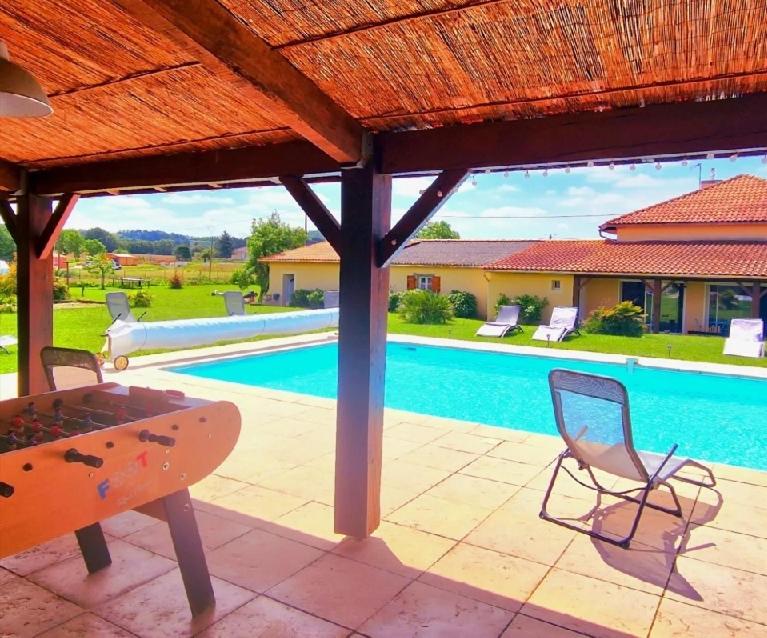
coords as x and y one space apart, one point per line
232 294
53 357
650 480
508 328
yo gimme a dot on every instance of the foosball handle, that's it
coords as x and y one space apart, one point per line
146 436
73 456
6 490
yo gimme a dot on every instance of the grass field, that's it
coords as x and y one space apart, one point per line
219 272
83 327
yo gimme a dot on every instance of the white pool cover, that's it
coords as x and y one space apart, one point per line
124 337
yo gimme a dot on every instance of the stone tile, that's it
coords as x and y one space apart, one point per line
467 442
160 607
214 487
27 610
131 566
340 590
396 548
723 547
526 627
501 470
126 523
414 432
271 619
724 513
678 620
394 448
485 575
473 491
308 483
515 528
416 478
592 606
259 560
440 458
524 453
640 567
255 505
310 524
86 625
439 516
41 556
421 610
723 589
214 532
502 434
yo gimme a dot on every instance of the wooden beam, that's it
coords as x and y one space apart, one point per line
52 230
227 46
34 293
657 294
364 295
430 201
220 167
9 218
315 210
680 129
10 177
756 298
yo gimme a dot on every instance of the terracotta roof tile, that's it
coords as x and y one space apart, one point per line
737 200
673 258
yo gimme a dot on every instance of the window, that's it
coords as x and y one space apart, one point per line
555 284
424 282
725 302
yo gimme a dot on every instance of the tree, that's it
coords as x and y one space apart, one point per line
224 246
70 242
101 265
94 247
104 236
7 245
183 253
269 237
437 230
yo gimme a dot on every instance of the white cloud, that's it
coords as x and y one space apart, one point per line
190 199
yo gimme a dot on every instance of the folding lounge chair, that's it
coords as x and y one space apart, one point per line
562 323
507 320
69 368
118 306
234 302
7 340
746 338
592 415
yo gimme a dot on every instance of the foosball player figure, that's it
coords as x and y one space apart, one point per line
35 426
35 438
31 410
17 424
58 410
57 431
13 441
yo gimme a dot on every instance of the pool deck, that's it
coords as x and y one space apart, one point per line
461 550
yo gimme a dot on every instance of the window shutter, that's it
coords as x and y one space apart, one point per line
411 282
435 284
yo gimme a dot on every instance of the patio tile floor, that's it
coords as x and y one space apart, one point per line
461 550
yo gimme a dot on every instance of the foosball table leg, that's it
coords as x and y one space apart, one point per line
189 551
94 548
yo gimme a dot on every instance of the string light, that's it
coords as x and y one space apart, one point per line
473 180
709 156
506 173
733 157
567 168
590 163
657 166
632 166
764 160
527 174
612 166
684 162
545 172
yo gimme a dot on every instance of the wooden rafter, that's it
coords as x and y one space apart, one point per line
315 210
225 45
10 176
9 218
430 201
50 235
622 135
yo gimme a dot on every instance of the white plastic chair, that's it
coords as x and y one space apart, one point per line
746 338
118 306
234 302
507 320
562 323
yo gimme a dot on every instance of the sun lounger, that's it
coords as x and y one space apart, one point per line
592 415
562 323
118 306
331 299
7 340
234 302
507 320
746 338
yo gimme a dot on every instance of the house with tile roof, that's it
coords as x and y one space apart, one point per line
702 255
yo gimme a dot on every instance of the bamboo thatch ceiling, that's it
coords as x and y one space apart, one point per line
119 88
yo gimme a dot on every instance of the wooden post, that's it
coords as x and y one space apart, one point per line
35 292
657 294
756 298
364 291
577 292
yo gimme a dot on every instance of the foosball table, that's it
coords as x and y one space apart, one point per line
72 458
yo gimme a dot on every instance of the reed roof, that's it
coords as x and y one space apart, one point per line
122 89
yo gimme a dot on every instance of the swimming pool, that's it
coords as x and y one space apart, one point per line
714 417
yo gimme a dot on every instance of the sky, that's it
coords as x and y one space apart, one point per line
558 204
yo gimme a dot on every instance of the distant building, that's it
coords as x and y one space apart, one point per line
240 254
124 259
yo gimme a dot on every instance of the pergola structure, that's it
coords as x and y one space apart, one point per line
158 95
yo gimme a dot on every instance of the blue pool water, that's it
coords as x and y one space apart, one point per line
714 417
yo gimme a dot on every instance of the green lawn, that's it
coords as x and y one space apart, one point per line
83 327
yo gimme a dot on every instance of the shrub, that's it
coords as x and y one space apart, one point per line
464 304
394 299
7 306
243 278
623 318
503 300
8 281
60 290
175 282
308 298
141 300
424 306
530 307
